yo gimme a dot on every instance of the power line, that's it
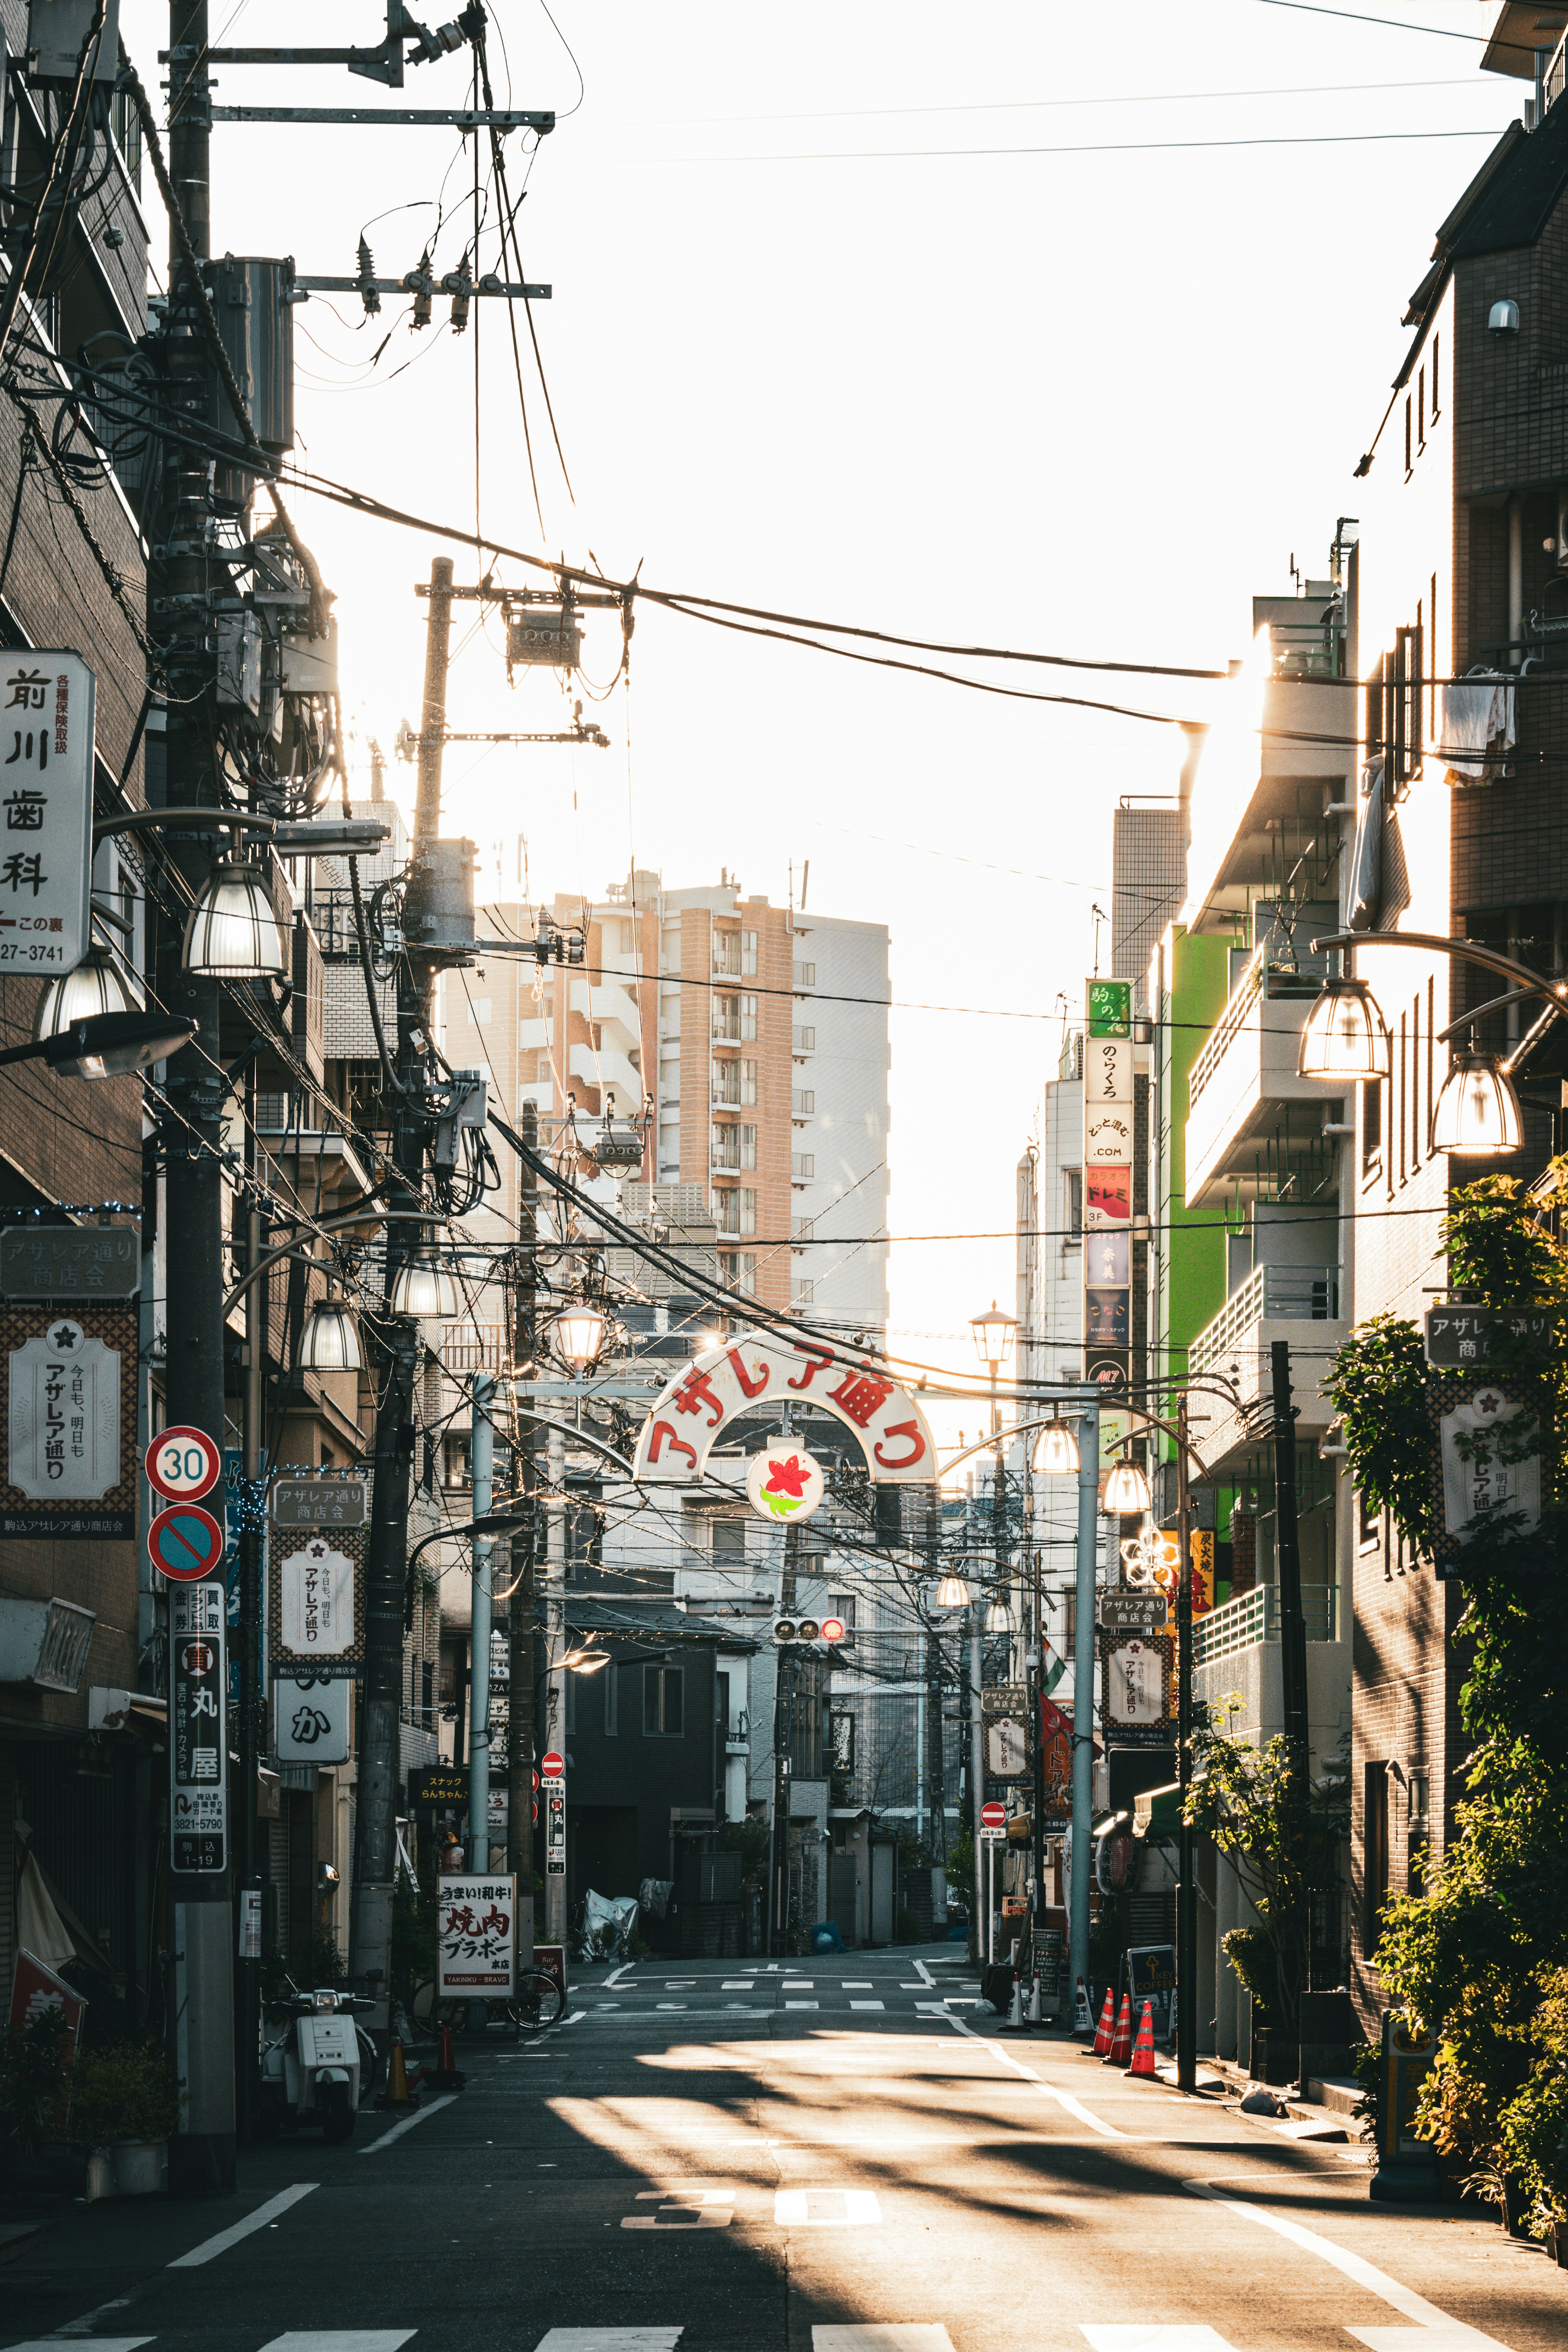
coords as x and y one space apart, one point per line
1105 147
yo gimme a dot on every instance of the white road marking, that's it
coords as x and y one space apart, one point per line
792 2209
578 2014
340 2339
1154 2337
210 2247
422 2115
1063 2098
614 1978
609 2339
679 1984
895 2338
802 2004
672 2004
1431 2324
738 1984
105 2343
855 1984
801 1984
924 1973
868 2004
704 2209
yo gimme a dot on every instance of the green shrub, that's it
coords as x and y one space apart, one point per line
33 2073
126 2092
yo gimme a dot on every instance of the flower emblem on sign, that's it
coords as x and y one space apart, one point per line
1151 1561
784 1482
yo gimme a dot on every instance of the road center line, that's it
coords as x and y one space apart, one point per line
407 2123
224 2238
1063 2098
1354 2266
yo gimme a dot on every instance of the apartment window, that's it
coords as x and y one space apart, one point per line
748 1084
538 1065
746 1211
805 975
738 1268
843 1606
803 1293
1435 379
427 1694
725 1081
664 1701
747 1147
727 953
1374 1853
748 955
1371 1123
726 1016
1074 1180
1368 1524
730 1543
804 1041
803 1102
1409 666
611 1686
803 1166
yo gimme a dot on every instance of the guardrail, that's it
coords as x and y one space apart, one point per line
1254 1617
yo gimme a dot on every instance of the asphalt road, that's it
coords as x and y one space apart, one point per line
757 2160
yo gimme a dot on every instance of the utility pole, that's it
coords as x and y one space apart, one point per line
202 2154
1186 1890
247 1641
555 1649
779 1869
1083 1685
1292 1625
976 1775
386 1566
525 1551
481 1464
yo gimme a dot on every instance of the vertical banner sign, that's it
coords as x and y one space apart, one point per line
67 1402
197 1720
1108 1104
476 1951
46 812
316 1554
554 1795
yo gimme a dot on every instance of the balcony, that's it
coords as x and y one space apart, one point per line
1298 1304
1253 1617
1246 1103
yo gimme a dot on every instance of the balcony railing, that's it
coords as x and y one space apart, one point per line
465 1348
1254 1617
1283 1294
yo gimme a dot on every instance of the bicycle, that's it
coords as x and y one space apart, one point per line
537 2002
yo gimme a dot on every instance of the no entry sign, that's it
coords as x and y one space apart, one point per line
552 1765
185 1543
182 1464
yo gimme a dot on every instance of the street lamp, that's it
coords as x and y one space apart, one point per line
95 985
1001 1617
330 1340
1344 1037
107 1045
232 931
1056 1451
1126 1490
994 1335
586 1661
422 1291
1478 1109
953 1592
580 1331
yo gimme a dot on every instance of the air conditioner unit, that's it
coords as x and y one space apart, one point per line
44 1643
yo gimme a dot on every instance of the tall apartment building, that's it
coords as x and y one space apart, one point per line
760 1036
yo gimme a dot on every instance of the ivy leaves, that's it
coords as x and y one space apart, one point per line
1378 1387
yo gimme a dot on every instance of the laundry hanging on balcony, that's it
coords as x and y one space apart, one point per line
1477 724
1367 858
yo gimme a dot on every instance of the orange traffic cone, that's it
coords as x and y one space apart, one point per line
397 2093
1105 2031
446 2076
1121 2049
1144 2055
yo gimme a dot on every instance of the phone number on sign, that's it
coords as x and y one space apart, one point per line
13 952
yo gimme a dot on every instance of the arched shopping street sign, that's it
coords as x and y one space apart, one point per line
717 1387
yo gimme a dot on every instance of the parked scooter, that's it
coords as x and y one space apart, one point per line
318 2067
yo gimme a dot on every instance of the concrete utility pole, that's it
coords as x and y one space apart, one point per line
481 1464
386 1566
1293 1624
1186 1890
555 1649
1083 1686
525 1551
202 2154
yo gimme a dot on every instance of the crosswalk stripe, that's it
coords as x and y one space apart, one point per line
340 2339
1152 2336
609 2339
909 2336
868 2004
793 2208
802 2004
101 2344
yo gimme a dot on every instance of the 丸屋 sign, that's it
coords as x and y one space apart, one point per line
198 1681
45 811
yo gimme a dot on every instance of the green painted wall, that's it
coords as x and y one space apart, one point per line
1192 1288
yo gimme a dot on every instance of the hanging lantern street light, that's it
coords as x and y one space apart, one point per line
953 1592
580 1331
95 985
1478 1109
1056 1451
422 1291
1001 1617
1126 1490
994 1335
1344 1037
232 931
330 1340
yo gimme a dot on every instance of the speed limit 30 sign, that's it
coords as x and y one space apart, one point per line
182 1464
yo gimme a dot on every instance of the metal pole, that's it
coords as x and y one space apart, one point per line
977 1764
1292 1626
249 1645
482 1460
1083 1686
1187 1892
778 1906
525 1551
555 1648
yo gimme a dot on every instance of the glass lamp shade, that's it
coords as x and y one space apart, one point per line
424 1291
993 1334
233 932
330 1340
1478 1109
1056 1451
587 1662
580 1335
94 986
1127 1491
953 1592
1344 1037
999 1617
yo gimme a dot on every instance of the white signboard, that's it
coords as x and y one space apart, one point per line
45 811
1107 1101
318 1596
311 1719
1135 1683
1006 1748
64 1415
475 1949
1475 1478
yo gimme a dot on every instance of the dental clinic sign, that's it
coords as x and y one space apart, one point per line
46 702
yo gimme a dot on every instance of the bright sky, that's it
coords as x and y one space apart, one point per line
1058 328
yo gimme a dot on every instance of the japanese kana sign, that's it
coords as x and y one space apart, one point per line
1457 1336
1109 1108
475 1948
198 1681
67 1402
45 811
316 1581
70 1262
718 1385
311 1719
1485 1469
1110 1007
1136 1690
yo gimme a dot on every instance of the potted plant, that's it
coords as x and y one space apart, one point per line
33 2062
124 2099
